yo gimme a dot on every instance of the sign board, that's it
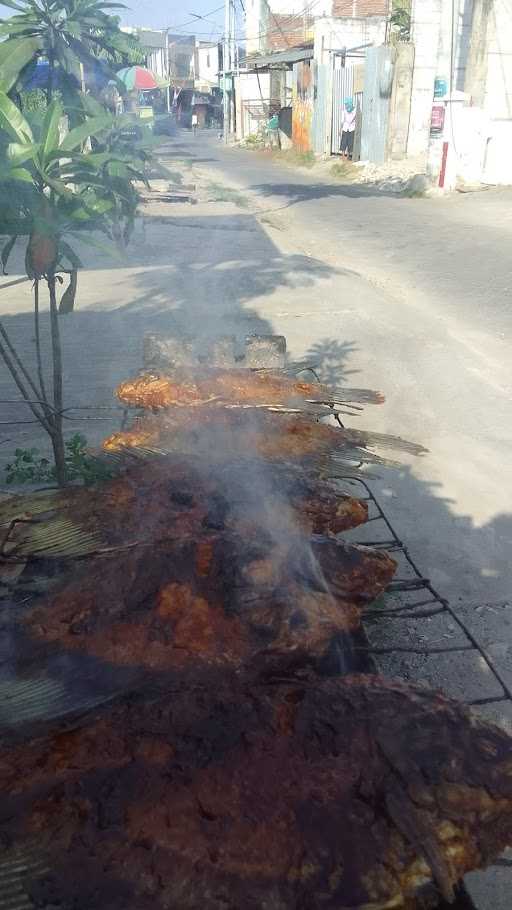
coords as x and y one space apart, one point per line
437 119
440 87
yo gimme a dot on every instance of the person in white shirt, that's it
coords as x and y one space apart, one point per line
194 123
348 128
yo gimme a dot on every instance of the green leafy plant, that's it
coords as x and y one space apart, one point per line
52 185
400 19
28 466
33 101
57 192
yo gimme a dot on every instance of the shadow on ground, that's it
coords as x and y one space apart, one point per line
182 276
201 276
295 193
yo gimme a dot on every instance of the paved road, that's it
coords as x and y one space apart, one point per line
419 303
455 250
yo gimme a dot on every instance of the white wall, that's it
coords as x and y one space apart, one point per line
249 88
252 98
498 98
426 24
346 32
157 62
479 137
255 25
498 95
494 77
207 60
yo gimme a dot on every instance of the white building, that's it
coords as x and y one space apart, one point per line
477 40
153 41
207 66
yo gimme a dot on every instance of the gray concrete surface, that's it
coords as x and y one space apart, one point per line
419 306
410 296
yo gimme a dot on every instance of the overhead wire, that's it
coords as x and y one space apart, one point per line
285 21
191 21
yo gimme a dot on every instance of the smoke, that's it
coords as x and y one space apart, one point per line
270 561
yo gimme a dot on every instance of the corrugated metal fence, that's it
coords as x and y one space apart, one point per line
378 83
322 109
342 87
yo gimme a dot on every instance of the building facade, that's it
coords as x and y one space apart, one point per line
207 66
281 24
468 47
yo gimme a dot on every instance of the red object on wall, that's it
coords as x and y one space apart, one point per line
442 173
437 119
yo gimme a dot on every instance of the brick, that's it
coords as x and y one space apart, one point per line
360 8
287 30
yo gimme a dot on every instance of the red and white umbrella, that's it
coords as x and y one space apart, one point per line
138 78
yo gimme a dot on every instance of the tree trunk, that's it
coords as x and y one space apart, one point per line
56 435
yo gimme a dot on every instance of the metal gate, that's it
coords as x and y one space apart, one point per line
342 87
378 84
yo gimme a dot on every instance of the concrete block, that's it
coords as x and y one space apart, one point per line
165 352
265 351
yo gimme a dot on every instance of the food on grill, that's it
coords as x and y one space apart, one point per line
204 386
356 793
170 498
141 504
213 599
223 433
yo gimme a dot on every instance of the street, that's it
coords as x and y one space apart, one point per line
412 296
407 296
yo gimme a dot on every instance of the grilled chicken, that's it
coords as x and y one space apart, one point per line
193 387
359 793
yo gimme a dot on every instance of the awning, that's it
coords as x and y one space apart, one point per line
281 60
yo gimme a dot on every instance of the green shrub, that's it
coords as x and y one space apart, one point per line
28 466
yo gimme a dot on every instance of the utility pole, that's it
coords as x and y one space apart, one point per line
232 66
226 65
168 73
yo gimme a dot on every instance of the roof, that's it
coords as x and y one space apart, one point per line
281 60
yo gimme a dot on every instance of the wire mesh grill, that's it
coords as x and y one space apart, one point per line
418 599
411 599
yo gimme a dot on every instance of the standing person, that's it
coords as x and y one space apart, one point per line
348 129
194 123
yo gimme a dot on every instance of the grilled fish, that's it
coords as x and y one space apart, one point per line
359 792
222 433
193 387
